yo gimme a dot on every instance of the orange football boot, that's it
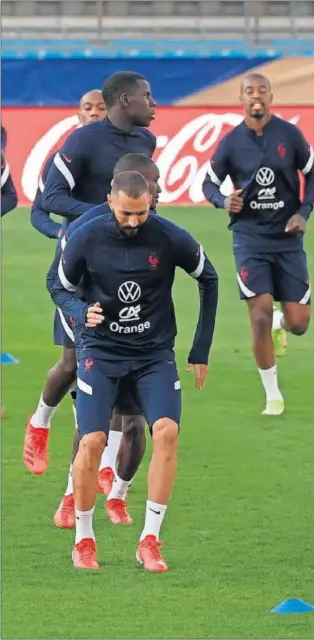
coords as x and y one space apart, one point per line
64 517
117 511
84 554
105 480
149 556
35 452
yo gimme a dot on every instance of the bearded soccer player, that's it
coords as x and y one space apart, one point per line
263 156
127 416
80 177
127 261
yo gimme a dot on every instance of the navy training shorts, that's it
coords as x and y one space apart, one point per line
153 384
284 275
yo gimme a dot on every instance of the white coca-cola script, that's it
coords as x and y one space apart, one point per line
182 159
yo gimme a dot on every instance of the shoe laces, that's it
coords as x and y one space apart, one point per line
39 442
152 545
119 505
68 504
86 548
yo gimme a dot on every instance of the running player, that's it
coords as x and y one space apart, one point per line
62 376
126 262
91 109
263 156
126 414
80 177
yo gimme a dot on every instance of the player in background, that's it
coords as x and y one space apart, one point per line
8 191
80 177
82 171
127 417
126 261
263 156
63 374
91 109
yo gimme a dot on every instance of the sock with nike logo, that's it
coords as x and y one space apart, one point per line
155 514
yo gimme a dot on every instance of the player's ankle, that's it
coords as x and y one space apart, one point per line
155 514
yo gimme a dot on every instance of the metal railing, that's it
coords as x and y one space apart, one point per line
104 21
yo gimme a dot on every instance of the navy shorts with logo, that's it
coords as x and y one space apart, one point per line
154 384
63 327
284 275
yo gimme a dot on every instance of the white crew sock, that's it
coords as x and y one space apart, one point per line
277 320
84 524
42 416
155 514
69 489
75 415
108 458
119 489
270 383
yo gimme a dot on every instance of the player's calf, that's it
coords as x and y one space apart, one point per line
85 470
160 480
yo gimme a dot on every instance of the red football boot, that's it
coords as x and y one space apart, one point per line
105 480
117 511
35 452
149 556
84 554
64 517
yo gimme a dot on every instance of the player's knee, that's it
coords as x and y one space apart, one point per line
262 323
92 446
165 434
299 327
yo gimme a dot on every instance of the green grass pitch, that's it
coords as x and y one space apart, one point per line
239 531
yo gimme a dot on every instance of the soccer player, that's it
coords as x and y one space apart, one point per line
127 263
8 191
62 376
80 177
82 170
91 109
127 416
263 156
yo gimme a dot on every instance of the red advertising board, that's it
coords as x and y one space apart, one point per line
186 139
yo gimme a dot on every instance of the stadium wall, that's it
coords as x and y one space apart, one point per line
186 139
61 82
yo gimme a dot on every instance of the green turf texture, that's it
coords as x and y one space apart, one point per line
239 531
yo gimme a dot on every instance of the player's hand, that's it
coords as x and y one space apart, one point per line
200 373
296 225
94 316
234 202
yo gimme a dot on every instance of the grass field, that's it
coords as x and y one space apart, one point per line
239 531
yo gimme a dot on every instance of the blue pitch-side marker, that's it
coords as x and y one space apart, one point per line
7 358
293 605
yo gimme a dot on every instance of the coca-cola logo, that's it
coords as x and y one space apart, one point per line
182 158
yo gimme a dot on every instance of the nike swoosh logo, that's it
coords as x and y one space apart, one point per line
66 158
157 512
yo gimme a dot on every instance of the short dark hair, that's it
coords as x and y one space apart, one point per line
132 183
134 162
119 83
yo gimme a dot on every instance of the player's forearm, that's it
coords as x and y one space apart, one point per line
57 199
212 193
67 301
308 201
42 222
8 202
208 292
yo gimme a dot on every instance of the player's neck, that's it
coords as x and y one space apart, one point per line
256 124
119 120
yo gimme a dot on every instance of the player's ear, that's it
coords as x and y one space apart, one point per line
109 200
271 98
124 99
79 115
